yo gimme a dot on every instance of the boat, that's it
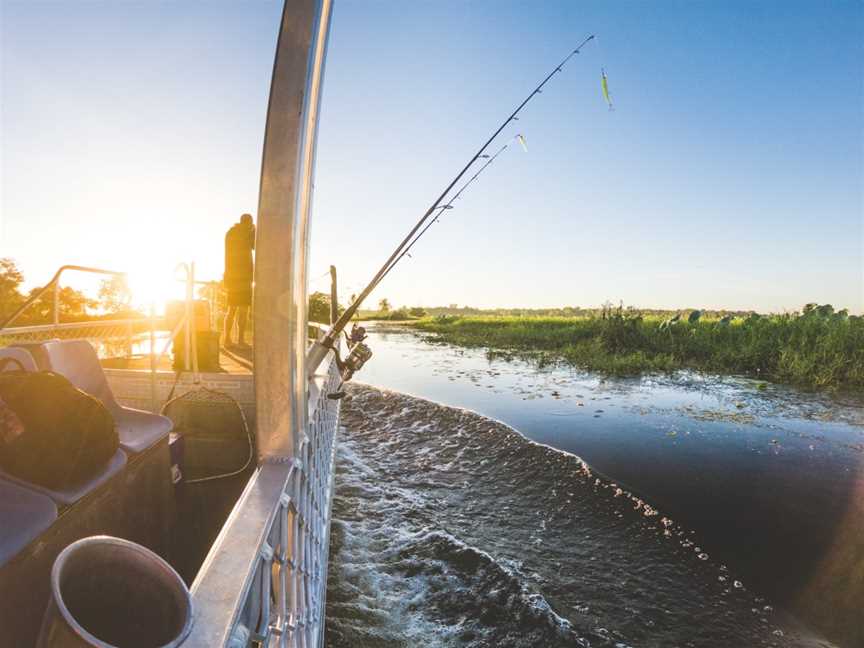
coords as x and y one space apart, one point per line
167 546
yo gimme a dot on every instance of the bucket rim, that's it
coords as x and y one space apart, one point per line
156 559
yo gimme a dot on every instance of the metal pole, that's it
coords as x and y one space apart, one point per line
334 301
153 407
282 234
57 301
190 289
186 331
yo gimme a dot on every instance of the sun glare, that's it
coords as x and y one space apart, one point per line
155 286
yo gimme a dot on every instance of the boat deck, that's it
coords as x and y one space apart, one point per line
235 362
133 385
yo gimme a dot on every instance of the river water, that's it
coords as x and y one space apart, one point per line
663 511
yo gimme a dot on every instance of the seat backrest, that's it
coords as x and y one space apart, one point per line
21 355
37 352
78 362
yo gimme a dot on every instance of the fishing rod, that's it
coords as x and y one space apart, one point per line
441 210
320 349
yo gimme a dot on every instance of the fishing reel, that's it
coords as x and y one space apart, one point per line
357 335
359 355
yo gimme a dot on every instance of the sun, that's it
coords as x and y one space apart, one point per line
155 286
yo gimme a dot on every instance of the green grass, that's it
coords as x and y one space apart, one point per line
819 349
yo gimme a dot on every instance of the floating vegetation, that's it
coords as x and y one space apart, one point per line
718 416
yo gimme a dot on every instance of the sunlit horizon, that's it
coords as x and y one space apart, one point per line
723 179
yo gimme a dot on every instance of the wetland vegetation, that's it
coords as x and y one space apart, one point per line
817 347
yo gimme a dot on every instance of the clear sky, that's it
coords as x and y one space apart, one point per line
729 175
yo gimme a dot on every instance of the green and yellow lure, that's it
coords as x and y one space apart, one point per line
604 83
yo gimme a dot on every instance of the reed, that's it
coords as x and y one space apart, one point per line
816 348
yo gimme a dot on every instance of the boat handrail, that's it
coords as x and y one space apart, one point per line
265 577
184 324
71 326
55 283
316 331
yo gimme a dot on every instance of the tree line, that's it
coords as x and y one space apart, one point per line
73 305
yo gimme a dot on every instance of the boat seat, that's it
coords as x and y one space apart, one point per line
21 355
36 352
72 494
25 515
77 361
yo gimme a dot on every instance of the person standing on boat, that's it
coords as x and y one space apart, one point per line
239 244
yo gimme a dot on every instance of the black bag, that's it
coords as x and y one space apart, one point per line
67 436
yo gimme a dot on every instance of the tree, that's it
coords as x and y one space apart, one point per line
384 305
319 308
418 311
10 282
74 303
71 303
114 294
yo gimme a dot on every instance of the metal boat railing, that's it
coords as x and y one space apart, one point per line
264 581
118 331
54 285
108 334
121 332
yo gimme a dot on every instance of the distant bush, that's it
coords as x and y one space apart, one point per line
398 314
446 319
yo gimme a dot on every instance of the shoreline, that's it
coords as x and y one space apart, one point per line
811 353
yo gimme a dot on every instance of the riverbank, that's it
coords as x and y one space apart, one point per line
814 350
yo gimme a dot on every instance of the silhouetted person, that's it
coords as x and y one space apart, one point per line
239 243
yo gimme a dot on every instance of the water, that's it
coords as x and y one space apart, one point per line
707 500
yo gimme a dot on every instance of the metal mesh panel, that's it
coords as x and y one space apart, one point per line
111 338
203 413
285 603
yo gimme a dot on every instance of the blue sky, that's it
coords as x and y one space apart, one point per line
729 175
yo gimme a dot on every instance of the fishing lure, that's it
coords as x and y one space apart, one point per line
604 83
522 141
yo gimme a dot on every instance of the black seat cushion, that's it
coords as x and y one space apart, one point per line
25 515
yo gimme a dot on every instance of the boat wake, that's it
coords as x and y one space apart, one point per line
450 529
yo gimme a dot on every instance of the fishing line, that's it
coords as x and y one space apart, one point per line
449 205
319 350
314 280
349 312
